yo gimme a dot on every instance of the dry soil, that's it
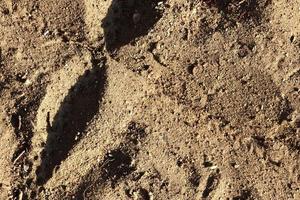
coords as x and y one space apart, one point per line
150 99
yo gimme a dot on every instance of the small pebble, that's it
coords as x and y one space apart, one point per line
136 18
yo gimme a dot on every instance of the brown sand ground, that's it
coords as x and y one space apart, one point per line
149 99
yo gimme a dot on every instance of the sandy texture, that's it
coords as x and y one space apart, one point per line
149 99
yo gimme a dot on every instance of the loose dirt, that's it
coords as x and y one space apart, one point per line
150 99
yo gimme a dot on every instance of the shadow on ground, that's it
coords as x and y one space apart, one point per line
69 124
127 20
116 164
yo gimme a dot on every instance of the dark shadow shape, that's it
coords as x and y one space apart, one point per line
245 195
211 184
77 109
21 120
116 164
286 109
290 138
237 10
127 20
194 177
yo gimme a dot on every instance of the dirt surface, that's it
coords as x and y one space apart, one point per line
146 100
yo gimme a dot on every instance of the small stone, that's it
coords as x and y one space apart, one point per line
28 82
46 33
136 18
213 167
26 168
